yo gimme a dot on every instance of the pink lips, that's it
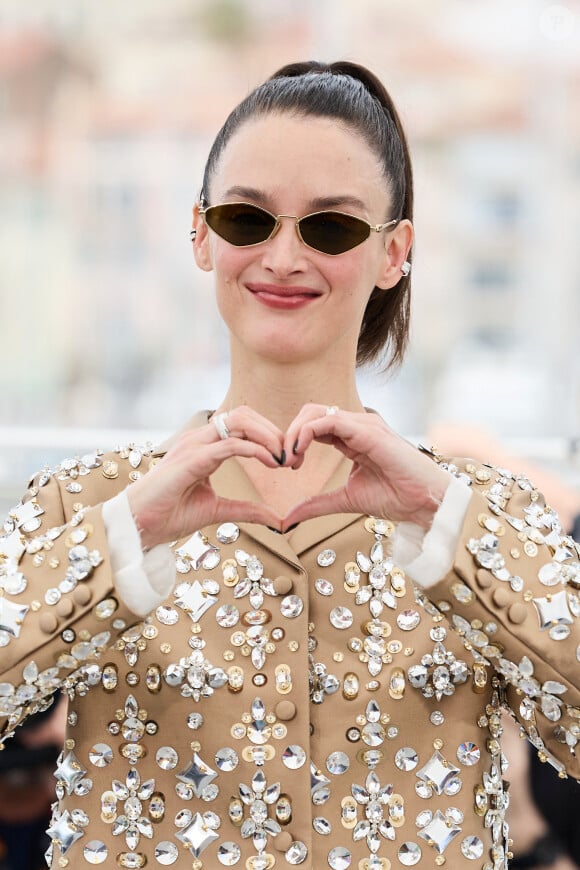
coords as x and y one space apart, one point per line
277 296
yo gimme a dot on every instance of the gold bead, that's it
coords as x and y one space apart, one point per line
165 647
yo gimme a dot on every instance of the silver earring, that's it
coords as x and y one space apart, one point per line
406 268
192 235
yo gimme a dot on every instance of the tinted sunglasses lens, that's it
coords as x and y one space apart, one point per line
240 224
332 232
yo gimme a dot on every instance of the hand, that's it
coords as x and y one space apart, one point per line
176 497
389 477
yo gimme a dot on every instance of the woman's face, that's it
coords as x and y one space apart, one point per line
280 299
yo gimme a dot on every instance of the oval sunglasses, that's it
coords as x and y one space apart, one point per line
328 232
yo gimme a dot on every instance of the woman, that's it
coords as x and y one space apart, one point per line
322 684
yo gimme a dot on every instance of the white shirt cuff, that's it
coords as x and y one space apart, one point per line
427 556
143 581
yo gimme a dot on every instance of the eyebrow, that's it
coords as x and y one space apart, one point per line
317 204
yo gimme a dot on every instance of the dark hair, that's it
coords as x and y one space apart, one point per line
351 93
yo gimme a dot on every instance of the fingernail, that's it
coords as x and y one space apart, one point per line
295 447
283 458
279 459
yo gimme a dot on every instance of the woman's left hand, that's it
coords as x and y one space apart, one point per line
389 478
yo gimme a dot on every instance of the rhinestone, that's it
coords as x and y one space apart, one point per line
167 615
294 757
339 858
183 791
353 734
559 632
226 759
337 763
409 854
166 853
437 717
95 852
437 772
326 558
453 786
197 836
472 848
468 753
100 754
229 854
517 583
321 825
227 533
324 587
227 615
439 832
407 620
406 758
291 606
132 729
183 818
297 853
166 757
341 617
211 561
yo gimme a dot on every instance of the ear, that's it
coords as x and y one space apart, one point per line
201 250
397 246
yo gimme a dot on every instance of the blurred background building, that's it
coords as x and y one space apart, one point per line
107 111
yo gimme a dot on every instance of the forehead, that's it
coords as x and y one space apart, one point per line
311 157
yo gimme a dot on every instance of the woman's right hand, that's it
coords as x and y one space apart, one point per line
175 498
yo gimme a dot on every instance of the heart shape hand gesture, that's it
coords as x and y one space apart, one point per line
389 477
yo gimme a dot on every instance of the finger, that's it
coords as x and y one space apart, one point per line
245 423
335 502
292 440
234 510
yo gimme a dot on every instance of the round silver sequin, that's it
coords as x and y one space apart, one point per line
406 758
227 615
559 632
14 584
229 854
166 853
341 617
324 587
227 533
468 753
321 825
166 757
167 615
226 758
472 848
294 756
52 596
439 633
409 854
297 853
516 583
407 620
95 852
337 763
100 754
550 574
339 858
326 558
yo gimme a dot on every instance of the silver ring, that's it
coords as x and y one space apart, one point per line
331 409
219 421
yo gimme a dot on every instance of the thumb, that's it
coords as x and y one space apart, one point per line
335 502
246 512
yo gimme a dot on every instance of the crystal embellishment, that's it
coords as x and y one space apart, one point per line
197 836
437 773
194 599
439 832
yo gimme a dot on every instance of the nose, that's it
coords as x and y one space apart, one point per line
284 252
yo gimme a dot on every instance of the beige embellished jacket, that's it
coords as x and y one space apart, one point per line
296 699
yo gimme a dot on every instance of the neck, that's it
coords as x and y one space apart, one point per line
279 390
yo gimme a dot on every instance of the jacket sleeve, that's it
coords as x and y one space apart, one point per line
512 595
58 609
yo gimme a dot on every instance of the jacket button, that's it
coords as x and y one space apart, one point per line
285 710
517 613
501 597
283 841
82 595
48 623
64 607
283 585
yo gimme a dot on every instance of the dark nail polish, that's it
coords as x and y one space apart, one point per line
278 459
283 458
295 447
